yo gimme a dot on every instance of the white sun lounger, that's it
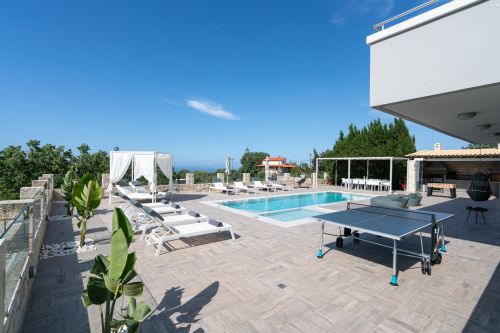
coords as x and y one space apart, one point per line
239 186
128 191
277 186
220 187
259 185
153 219
167 233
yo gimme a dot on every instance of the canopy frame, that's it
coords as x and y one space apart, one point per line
131 157
391 160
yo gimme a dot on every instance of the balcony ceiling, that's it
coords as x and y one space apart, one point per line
440 112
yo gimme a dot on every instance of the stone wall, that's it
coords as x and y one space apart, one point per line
246 178
37 197
221 176
105 184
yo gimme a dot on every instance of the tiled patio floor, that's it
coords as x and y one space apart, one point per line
214 284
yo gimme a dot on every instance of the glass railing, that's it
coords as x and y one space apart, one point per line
16 238
380 26
18 235
39 206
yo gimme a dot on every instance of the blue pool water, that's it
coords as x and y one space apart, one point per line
271 204
292 214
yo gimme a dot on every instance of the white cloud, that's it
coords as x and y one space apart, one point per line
211 108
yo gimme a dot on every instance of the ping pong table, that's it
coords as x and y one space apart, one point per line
391 223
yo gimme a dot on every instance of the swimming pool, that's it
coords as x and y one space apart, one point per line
290 209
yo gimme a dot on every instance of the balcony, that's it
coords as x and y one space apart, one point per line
441 64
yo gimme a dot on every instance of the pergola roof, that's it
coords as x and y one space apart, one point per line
456 153
366 158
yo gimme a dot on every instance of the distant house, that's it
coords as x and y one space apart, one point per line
278 165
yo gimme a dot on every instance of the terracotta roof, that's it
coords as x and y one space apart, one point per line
456 153
277 158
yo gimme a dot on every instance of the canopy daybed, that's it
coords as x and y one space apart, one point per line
143 165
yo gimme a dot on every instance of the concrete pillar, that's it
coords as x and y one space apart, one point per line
314 179
287 177
246 178
190 180
411 179
221 176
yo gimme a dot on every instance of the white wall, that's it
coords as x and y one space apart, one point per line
455 52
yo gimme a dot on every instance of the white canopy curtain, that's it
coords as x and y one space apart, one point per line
118 166
143 164
164 161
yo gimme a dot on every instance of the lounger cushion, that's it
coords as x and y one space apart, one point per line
391 202
194 214
165 201
215 223
136 203
122 182
152 213
175 206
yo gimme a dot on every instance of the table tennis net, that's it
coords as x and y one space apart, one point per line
395 212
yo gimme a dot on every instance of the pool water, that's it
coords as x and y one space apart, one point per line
292 214
264 205
290 207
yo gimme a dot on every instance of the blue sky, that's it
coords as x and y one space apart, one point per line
200 79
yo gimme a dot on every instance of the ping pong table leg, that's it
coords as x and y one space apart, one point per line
394 278
320 251
443 246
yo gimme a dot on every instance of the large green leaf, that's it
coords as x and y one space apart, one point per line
87 194
132 325
119 254
141 311
131 307
110 283
96 291
133 289
100 265
129 267
120 221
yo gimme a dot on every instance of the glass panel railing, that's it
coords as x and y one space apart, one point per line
16 236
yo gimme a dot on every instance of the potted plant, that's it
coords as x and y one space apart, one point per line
111 278
86 198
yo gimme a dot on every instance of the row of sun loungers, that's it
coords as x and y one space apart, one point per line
167 221
256 185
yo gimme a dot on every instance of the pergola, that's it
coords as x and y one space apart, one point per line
391 160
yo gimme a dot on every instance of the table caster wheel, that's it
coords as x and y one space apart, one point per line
438 259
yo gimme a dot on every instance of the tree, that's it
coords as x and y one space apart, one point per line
376 139
14 172
96 164
250 160
18 167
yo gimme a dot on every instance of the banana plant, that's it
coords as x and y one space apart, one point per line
69 181
111 278
86 199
